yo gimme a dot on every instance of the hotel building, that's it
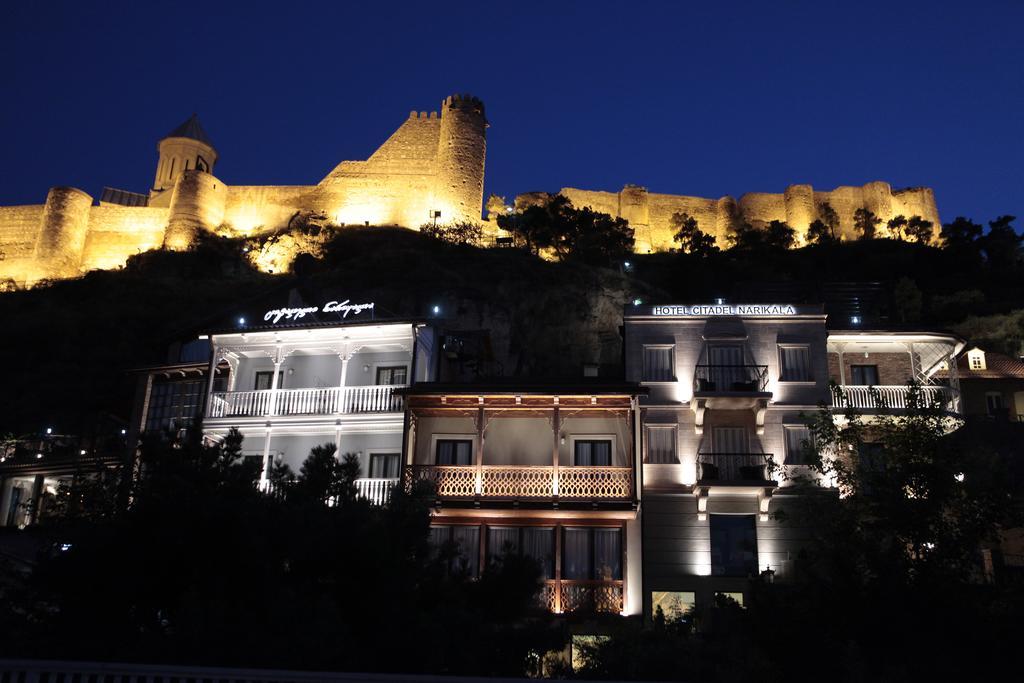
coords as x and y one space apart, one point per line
723 425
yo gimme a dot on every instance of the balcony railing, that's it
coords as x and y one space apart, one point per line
733 467
378 398
377 491
567 595
730 378
516 482
892 396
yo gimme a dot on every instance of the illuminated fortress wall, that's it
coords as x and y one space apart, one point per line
430 170
650 214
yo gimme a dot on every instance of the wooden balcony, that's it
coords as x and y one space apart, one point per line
895 397
324 401
524 482
565 595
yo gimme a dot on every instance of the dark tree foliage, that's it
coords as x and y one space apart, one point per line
204 568
866 223
897 226
960 235
464 232
919 230
1002 244
819 233
570 233
776 236
690 237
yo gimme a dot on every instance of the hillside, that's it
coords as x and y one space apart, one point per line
70 345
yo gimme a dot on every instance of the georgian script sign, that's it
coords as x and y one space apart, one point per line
727 309
343 307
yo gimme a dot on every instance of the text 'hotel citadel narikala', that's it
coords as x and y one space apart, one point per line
431 170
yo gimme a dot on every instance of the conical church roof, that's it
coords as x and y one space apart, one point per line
191 129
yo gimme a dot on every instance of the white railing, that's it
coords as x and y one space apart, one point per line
375 398
893 396
524 481
377 491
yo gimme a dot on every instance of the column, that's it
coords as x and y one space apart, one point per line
556 428
278 359
266 461
340 406
480 448
37 498
214 359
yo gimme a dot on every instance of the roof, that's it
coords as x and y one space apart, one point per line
997 366
191 129
315 325
524 385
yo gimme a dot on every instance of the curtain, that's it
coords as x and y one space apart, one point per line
795 438
796 364
576 561
729 440
607 554
726 363
658 364
602 453
467 539
864 375
384 466
450 452
502 540
540 545
593 453
661 445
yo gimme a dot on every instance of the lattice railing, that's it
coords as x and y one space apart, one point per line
590 596
510 481
595 482
892 396
454 481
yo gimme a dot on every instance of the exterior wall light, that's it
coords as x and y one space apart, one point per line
637 302
241 321
49 430
855 320
436 309
38 456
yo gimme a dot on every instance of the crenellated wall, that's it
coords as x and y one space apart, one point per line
650 214
429 170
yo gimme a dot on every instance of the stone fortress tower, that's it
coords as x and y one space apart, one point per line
429 171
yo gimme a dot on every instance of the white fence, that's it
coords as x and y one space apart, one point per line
893 396
376 398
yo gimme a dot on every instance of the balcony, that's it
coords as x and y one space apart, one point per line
326 401
733 468
376 491
525 482
566 595
895 397
730 379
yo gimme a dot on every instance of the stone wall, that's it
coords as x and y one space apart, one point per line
650 214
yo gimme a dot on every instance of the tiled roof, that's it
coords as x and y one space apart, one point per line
998 366
191 129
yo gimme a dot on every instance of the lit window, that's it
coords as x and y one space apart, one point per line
798 441
658 364
796 364
384 465
723 598
674 605
661 445
391 374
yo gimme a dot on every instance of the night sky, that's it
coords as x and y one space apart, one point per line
680 98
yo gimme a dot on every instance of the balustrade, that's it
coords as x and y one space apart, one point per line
380 398
892 396
525 481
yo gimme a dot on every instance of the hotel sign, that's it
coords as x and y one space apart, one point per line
745 310
343 307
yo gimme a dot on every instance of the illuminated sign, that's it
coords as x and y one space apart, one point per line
343 307
726 309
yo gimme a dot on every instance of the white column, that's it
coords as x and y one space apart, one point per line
278 359
214 359
266 460
345 358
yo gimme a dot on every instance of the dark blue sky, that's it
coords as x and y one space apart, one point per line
679 97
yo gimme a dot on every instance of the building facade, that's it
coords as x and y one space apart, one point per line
724 426
291 387
547 471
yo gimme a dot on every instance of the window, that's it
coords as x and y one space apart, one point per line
733 545
674 605
264 380
796 364
798 440
661 445
454 452
994 403
864 375
729 440
392 374
463 542
592 554
658 364
173 405
592 453
723 598
384 465
535 542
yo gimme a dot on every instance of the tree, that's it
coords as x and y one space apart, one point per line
325 479
896 226
462 232
907 300
777 235
1002 243
920 230
962 233
866 223
569 233
819 233
830 219
690 237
